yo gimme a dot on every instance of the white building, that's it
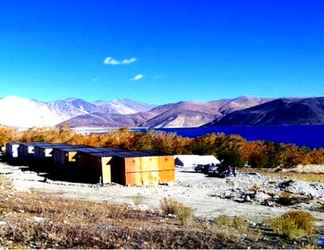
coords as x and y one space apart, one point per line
191 161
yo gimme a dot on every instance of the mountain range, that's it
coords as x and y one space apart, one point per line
25 113
180 114
282 111
75 112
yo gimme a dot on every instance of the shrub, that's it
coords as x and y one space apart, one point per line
294 224
320 206
137 199
232 149
5 183
183 213
169 206
238 223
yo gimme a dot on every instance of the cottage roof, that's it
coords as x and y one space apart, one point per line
57 146
73 148
102 152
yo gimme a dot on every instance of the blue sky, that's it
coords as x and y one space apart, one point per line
161 51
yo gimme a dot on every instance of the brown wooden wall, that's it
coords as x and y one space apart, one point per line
148 170
131 171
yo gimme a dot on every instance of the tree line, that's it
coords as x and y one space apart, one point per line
231 149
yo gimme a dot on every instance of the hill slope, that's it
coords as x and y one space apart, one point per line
25 113
122 106
180 114
76 112
282 111
106 120
194 114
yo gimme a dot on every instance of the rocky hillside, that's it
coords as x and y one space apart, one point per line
282 111
180 114
25 113
106 120
75 112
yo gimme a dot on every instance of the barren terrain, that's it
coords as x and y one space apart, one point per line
208 196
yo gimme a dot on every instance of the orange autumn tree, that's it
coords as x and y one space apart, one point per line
232 148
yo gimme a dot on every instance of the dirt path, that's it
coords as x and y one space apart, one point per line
195 190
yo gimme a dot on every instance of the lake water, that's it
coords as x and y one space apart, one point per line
302 135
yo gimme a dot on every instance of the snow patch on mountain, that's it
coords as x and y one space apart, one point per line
25 113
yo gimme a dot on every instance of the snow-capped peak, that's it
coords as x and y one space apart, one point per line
25 113
22 112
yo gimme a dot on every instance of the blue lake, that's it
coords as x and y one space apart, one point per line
302 135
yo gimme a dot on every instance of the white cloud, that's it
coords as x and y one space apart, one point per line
111 61
137 77
129 60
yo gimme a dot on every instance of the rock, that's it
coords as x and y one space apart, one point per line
261 197
228 194
240 200
283 185
268 203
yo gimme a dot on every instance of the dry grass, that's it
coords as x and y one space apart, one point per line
235 227
294 224
182 212
238 223
37 220
289 175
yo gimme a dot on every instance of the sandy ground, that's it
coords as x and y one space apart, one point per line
193 189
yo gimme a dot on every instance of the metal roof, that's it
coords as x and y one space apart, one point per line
58 146
99 151
13 142
102 152
76 148
35 143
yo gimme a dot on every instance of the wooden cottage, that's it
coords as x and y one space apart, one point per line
108 165
26 152
143 168
94 164
66 157
43 156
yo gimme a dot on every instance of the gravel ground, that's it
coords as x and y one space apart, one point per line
208 196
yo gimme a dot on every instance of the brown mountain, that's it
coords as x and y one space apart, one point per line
194 114
282 111
180 114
